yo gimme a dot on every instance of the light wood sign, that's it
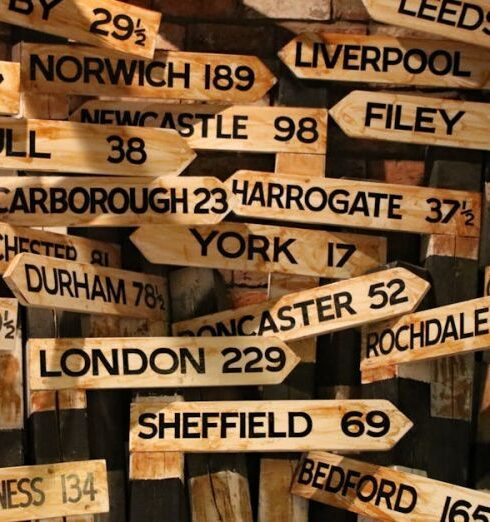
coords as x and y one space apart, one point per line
370 425
164 362
16 240
414 119
88 149
457 20
111 201
67 69
384 493
45 282
116 25
337 306
8 323
449 330
239 128
262 248
487 281
9 88
363 204
386 59
53 490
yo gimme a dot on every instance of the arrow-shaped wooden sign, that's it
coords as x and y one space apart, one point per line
54 490
116 25
48 145
385 493
386 59
414 119
262 248
449 330
9 88
456 20
363 204
487 280
8 323
337 306
242 128
239 426
63 69
159 362
45 282
111 201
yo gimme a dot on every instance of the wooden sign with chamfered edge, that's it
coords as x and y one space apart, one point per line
8 323
384 493
456 20
111 201
440 332
239 426
362 204
330 308
45 282
116 25
9 88
54 490
487 280
67 69
239 128
386 59
414 119
48 145
159 362
262 248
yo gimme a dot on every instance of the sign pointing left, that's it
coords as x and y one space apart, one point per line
9 88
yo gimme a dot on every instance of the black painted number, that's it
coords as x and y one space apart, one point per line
150 294
7 326
462 511
382 297
73 488
99 258
250 360
335 257
224 78
134 152
306 130
442 211
220 201
123 25
375 424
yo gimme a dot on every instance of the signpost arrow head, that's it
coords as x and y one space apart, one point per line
347 114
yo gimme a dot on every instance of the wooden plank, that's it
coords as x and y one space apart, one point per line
355 203
8 323
115 25
62 146
44 282
238 128
62 69
12 394
9 88
387 494
355 302
386 59
255 426
262 248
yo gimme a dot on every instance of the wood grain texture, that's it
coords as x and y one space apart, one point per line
8 323
9 88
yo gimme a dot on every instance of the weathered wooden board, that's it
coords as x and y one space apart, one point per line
112 24
439 332
9 88
111 201
262 248
384 493
62 146
45 282
487 281
62 69
158 362
261 426
51 490
239 128
386 59
8 323
337 306
414 119
456 20
361 204
15 240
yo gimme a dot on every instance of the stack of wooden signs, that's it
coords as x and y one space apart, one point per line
86 313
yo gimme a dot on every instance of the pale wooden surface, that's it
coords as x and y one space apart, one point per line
12 387
10 88
8 323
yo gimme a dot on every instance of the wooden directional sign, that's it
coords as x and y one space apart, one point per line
9 88
116 25
361 204
53 490
414 119
370 425
84 70
217 127
487 280
111 201
164 362
346 304
457 20
77 147
262 248
385 59
8 323
15 240
385 493
439 332
45 282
